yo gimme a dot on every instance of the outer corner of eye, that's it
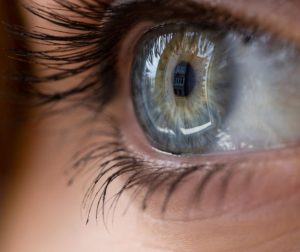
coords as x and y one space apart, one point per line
198 91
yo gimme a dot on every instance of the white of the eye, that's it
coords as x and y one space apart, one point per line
264 79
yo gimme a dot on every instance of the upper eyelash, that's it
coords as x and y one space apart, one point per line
79 44
94 37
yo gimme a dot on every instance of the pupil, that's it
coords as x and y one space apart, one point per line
183 79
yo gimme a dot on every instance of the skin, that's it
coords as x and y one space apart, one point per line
43 214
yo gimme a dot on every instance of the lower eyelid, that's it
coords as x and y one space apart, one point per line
239 183
233 188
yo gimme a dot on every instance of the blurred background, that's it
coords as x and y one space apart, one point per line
12 109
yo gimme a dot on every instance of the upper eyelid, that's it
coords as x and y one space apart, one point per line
279 19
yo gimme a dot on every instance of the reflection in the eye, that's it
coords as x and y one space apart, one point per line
196 130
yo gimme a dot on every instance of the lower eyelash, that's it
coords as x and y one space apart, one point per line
112 161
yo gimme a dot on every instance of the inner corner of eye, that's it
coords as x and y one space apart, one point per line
201 91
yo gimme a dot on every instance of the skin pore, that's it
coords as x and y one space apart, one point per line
43 213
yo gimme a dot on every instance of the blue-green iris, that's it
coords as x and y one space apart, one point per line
175 88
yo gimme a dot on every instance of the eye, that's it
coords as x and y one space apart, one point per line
201 91
173 83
